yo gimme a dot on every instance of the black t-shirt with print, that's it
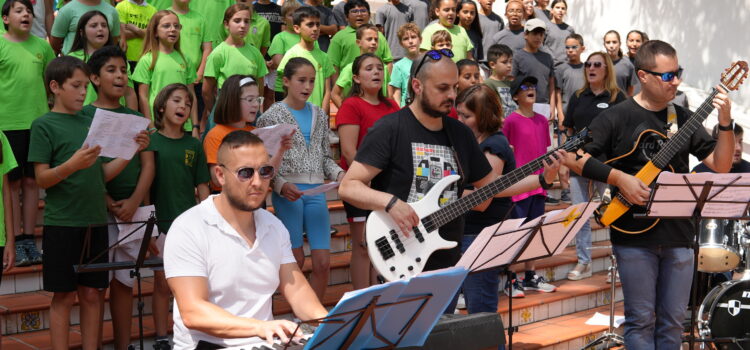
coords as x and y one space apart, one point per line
413 158
615 132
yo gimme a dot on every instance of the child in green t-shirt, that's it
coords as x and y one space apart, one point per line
134 17
234 56
127 191
280 44
409 38
23 58
367 40
500 60
181 170
307 24
344 49
74 179
195 42
66 20
163 63
93 34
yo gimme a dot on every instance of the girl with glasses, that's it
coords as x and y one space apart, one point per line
162 63
236 109
305 166
599 93
624 70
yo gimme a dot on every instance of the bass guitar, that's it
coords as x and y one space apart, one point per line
731 79
396 256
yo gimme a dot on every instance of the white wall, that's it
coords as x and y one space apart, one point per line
708 35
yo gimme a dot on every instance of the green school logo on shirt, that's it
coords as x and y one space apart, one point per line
189 157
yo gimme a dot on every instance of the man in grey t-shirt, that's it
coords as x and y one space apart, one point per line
421 12
530 61
340 15
390 17
490 23
569 75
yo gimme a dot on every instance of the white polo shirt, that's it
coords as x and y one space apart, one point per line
241 278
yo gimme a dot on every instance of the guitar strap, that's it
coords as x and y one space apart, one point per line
460 184
671 120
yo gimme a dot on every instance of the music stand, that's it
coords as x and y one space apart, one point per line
387 316
509 242
136 265
696 197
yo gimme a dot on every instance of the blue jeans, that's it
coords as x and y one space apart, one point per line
579 192
480 288
656 285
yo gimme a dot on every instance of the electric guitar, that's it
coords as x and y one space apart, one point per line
731 79
396 256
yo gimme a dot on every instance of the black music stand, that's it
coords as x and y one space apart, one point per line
398 313
696 197
136 265
505 243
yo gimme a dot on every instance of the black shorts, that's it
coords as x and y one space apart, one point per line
19 141
354 214
61 250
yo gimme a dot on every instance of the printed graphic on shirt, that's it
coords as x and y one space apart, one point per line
432 163
509 106
189 157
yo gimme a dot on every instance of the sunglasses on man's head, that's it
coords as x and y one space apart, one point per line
435 56
244 174
668 76
595 64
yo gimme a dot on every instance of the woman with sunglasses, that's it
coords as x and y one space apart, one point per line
557 32
305 166
445 12
599 93
624 70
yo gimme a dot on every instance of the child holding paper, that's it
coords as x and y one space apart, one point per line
181 169
74 178
305 166
127 191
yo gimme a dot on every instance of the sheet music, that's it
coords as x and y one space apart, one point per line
321 189
664 198
115 133
141 214
560 227
272 135
506 248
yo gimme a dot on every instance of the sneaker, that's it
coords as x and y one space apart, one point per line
609 277
580 272
162 344
538 283
33 253
517 289
461 303
22 257
551 201
565 197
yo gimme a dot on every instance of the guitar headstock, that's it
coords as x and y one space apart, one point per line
734 76
577 141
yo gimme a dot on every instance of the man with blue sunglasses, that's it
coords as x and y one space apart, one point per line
655 266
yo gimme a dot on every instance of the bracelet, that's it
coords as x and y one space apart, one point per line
729 127
390 204
543 183
596 170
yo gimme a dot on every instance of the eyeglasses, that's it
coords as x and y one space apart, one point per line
526 87
358 11
595 64
251 100
435 56
244 174
572 47
668 76
171 25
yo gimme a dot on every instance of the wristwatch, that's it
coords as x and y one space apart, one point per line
729 127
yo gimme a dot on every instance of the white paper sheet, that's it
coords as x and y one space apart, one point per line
141 214
600 319
272 135
711 209
115 133
321 189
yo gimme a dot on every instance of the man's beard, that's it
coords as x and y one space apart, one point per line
237 203
425 104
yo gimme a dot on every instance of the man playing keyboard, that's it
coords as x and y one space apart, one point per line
225 257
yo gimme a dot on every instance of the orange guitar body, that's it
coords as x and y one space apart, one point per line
618 208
